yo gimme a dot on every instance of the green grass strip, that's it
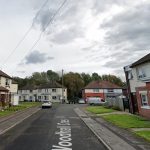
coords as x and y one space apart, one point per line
144 134
127 121
99 109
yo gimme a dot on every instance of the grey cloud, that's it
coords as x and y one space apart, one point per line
130 27
43 18
36 57
67 26
122 58
67 35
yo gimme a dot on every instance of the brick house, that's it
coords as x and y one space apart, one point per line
138 82
102 89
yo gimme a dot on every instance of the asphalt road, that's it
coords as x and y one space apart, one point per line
51 129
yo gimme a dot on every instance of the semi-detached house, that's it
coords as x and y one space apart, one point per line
138 81
52 91
101 89
8 89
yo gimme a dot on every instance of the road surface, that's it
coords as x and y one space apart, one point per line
51 129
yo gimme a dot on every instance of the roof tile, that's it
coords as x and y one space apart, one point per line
102 85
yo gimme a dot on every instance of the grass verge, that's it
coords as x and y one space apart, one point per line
21 106
99 109
127 121
144 134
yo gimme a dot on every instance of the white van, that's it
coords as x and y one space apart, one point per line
95 101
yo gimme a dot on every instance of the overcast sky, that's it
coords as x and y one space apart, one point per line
87 36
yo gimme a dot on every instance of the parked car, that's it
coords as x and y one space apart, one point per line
95 101
46 104
81 101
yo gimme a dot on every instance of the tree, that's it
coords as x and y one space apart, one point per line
74 84
53 76
95 77
38 78
113 79
86 78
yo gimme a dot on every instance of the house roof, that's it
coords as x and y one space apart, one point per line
142 60
28 87
4 74
102 85
51 84
3 89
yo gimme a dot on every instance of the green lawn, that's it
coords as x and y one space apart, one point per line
99 109
21 106
145 134
127 121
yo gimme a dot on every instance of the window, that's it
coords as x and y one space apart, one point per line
96 90
141 73
46 98
144 100
7 82
53 90
30 91
46 90
54 97
130 76
110 90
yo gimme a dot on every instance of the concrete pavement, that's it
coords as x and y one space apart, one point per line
112 137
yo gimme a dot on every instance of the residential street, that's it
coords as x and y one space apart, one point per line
55 128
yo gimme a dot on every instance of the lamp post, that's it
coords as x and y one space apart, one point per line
62 88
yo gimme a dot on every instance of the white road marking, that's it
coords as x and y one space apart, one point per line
65 136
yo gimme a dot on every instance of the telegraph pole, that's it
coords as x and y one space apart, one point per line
62 100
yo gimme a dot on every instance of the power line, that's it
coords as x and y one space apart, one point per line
50 21
26 33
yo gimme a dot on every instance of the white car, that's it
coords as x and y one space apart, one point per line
47 104
81 101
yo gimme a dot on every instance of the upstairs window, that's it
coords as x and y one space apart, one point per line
141 73
53 90
7 83
46 90
130 76
96 90
110 90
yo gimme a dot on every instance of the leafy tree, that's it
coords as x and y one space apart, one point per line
86 78
113 79
95 76
53 76
74 84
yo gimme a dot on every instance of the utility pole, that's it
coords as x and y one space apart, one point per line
62 100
